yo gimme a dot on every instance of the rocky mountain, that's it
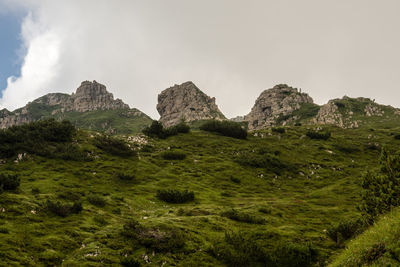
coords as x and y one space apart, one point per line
355 112
186 102
91 107
277 106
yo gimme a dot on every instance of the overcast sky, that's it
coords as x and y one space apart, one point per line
231 49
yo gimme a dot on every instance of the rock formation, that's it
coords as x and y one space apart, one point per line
186 102
279 102
90 96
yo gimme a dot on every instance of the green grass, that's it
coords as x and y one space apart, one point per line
378 246
320 188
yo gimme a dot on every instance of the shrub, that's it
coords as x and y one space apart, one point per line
256 249
278 130
265 210
124 176
344 230
267 161
63 210
235 180
96 200
156 129
381 189
130 261
226 128
318 135
173 155
175 196
294 254
160 238
242 217
9 181
397 137
35 137
113 146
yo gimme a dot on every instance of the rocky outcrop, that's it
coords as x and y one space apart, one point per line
279 102
186 102
89 96
343 112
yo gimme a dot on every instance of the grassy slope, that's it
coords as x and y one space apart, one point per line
378 246
302 206
121 121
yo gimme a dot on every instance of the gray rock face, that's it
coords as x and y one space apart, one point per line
186 102
89 96
329 114
274 103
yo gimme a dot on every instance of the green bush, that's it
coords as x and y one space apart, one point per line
235 180
130 261
113 146
63 210
397 137
254 249
318 135
265 210
96 200
278 130
173 155
175 196
35 137
242 217
381 189
124 176
161 238
344 230
226 128
9 181
156 129
267 161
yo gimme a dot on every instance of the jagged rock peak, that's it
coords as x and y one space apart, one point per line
277 102
89 96
92 96
187 102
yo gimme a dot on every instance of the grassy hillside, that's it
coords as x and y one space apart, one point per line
265 200
120 121
378 246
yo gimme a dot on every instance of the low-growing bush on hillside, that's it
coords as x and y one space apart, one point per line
125 176
156 129
130 261
63 209
35 137
175 196
253 249
317 135
159 238
381 189
96 200
9 181
345 230
280 130
113 146
242 217
397 137
235 180
226 128
268 161
173 155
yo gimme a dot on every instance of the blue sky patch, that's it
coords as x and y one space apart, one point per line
10 43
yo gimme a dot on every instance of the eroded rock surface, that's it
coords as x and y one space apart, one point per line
186 102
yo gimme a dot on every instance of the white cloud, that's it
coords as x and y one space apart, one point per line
231 49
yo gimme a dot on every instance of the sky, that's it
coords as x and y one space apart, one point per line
231 49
